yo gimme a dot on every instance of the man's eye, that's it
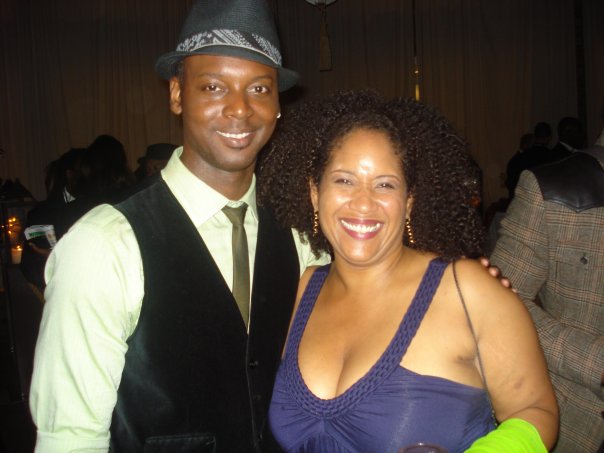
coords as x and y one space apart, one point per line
260 89
210 87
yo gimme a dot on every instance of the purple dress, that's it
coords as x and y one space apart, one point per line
389 407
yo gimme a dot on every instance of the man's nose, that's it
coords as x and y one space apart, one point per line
237 105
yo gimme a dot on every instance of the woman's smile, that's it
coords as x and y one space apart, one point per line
361 228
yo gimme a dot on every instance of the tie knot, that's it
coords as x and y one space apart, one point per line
235 215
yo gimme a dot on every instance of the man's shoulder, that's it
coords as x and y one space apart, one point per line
103 218
531 157
576 182
596 151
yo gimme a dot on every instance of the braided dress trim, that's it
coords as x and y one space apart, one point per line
385 365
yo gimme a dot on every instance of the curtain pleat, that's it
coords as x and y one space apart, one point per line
73 70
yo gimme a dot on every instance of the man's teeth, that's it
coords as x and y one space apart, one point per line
361 228
237 136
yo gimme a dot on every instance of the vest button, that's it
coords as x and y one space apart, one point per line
253 364
583 260
256 398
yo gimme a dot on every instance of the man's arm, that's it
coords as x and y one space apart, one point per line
522 255
571 353
306 258
92 304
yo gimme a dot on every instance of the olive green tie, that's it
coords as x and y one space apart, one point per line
241 265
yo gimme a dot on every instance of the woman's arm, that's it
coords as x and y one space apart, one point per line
514 365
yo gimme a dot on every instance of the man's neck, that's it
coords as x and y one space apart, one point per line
231 184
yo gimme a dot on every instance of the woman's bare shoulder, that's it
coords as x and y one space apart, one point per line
472 272
486 298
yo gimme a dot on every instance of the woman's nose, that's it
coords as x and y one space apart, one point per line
363 200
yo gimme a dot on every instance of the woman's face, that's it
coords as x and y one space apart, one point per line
362 199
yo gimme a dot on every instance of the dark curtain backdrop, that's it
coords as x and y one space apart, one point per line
74 69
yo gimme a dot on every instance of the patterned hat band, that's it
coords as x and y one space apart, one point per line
231 38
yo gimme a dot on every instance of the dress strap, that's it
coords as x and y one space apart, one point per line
416 312
484 378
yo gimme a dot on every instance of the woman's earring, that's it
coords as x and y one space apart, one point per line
315 224
409 232
278 115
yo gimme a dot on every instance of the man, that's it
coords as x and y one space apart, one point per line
551 245
538 153
571 137
155 159
141 334
62 177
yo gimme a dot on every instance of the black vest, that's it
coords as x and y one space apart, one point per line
194 381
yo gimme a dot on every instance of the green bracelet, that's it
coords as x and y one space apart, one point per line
512 436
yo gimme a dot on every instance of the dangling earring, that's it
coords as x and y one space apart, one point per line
278 115
315 224
409 232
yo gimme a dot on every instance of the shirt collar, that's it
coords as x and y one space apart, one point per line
67 197
199 200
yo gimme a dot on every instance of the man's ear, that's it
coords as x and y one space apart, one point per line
314 194
175 96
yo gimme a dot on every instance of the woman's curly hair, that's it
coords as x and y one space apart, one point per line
438 170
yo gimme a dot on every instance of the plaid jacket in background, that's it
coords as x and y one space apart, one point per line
548 249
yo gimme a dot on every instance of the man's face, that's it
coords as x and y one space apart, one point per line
229 109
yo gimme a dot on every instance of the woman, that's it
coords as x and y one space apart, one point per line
400 340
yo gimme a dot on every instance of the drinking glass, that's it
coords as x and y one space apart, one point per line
422 447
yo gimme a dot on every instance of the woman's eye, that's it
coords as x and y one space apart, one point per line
211 87
343 181
385 185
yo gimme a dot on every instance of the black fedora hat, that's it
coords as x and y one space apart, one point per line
233 28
